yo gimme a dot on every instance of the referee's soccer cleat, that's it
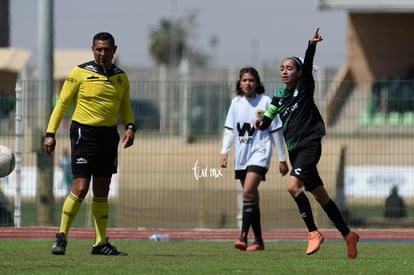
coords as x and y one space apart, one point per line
59 247
106 249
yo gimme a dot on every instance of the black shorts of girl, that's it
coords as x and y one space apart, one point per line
304 160
94 150
241 174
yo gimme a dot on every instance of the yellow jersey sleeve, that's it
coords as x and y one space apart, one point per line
68 92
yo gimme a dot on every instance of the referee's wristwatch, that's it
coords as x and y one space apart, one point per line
131 126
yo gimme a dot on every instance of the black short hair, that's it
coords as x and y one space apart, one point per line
104 36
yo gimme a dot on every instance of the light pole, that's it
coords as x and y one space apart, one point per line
44 194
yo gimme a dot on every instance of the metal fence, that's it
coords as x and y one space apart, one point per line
171 177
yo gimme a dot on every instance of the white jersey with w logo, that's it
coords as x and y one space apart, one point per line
251 146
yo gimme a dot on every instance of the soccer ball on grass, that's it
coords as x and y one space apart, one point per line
7 161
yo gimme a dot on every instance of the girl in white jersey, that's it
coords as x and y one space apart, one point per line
252 149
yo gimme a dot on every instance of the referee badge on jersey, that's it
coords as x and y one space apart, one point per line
259 113
119 80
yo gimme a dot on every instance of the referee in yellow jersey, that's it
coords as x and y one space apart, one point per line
100 91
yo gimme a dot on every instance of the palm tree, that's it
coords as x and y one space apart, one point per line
169 43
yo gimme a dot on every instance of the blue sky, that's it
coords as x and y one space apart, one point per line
249 32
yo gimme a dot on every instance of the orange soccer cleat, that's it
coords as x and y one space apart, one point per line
240 245
315 239
256 247
351 243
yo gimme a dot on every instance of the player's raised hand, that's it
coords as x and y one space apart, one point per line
316 37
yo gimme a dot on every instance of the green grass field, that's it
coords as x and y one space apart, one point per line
147 257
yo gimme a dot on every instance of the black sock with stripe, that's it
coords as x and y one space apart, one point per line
305 211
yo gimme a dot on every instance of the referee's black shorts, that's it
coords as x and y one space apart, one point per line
94 150
304 160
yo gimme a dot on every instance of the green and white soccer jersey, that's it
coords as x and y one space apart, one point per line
302 121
